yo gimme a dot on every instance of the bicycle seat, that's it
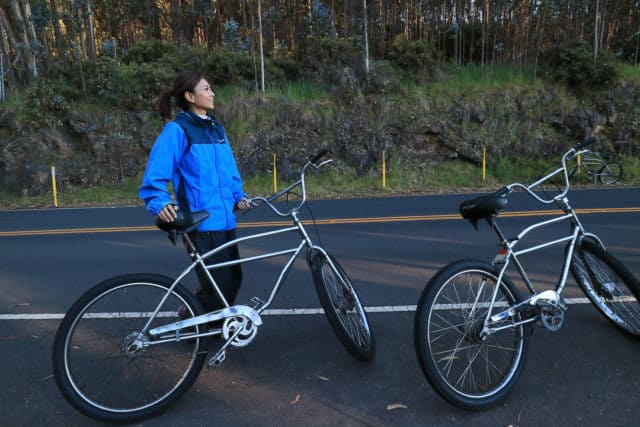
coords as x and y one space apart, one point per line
483 207
184 223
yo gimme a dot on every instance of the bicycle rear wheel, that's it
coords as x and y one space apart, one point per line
609 285
468 369
95 365
342 306
610 173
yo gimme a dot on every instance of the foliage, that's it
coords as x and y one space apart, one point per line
38 34
148 51
318 21
316 55
416 58
573 64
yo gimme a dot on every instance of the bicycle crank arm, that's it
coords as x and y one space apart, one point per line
547 297
217 359
233 311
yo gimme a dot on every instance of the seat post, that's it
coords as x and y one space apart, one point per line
191 248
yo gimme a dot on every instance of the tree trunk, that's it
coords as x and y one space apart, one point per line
595 31
261 47
366 38
28 19
26 43
57 33
7 69
176 22
92 36
1 69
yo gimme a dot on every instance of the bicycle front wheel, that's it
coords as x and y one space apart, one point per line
610 173
96 363
468 368
609 285
342 306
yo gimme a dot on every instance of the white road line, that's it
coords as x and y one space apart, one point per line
270 312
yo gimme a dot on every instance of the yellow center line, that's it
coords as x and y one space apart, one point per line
330 221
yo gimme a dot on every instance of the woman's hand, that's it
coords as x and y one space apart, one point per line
244 203
169 212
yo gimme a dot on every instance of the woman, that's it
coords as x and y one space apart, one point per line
193 152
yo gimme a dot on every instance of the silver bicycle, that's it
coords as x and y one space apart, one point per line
121 353
599 167
471 327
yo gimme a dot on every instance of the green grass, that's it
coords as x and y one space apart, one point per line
473 79
298 91
630 72
454 176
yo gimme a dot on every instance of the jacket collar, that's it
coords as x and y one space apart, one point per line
195 120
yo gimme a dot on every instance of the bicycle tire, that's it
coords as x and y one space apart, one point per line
469 371
610 173
342 306
92 366
609 285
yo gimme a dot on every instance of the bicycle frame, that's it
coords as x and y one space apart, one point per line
508 253
590 161
251 313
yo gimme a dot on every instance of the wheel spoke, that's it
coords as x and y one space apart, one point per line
468 367
106 376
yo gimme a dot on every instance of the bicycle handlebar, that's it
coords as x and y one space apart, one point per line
320 154
584 144
311 163
573 152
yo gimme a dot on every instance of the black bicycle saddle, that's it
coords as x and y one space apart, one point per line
184 223
483 207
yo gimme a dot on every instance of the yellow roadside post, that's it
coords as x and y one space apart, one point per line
53 184
275 175
484 163
384 171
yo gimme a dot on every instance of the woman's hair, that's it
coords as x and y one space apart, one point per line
185 81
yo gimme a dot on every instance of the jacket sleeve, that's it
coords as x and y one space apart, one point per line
161 168
236 183
236 180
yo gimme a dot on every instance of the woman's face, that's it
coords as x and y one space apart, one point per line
201 99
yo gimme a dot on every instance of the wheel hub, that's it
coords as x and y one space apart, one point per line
134 345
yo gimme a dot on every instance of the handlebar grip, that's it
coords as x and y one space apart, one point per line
319 155
584 143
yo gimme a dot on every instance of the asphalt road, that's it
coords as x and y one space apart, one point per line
296 372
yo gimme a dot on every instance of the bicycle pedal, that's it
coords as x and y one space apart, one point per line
217 359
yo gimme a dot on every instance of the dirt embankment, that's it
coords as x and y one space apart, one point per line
105 148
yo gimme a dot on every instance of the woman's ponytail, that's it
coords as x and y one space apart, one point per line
185 81
164 104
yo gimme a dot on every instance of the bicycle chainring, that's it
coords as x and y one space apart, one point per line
552 318
247 333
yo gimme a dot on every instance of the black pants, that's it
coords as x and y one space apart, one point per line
228 278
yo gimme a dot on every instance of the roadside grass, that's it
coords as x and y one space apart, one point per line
630 72
296 91
450 177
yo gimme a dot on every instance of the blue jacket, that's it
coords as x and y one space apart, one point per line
204 173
